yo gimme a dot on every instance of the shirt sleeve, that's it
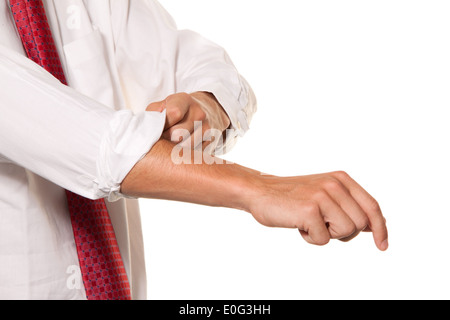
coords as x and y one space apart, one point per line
204 66
165 55
65 137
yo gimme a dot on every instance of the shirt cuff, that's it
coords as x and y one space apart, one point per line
128 139
240 110
235 107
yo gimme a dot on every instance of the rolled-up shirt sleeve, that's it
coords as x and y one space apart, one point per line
66 137
165 57
205 66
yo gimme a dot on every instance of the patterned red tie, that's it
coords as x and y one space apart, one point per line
101 265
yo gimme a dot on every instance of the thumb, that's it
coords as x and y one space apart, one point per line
156 106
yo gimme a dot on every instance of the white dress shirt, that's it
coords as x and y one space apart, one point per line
118 56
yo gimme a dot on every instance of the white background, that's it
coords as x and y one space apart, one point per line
360 86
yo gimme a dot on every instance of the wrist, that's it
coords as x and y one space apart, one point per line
246 187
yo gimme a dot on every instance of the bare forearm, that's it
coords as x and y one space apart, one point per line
156 176
322 207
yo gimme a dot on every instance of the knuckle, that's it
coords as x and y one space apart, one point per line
331 184
374 206
341 175
319 194
174 113
310 209
183 95
201 115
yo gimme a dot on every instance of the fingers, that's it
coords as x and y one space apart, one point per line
339 224
324 219
188 122
156 106
376 221
346 209
313 228
176 106
173 133
194 122
344 200
190 135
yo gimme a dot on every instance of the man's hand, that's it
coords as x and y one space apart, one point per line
322 207
184 114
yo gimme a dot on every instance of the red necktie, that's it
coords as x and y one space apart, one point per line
101 264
